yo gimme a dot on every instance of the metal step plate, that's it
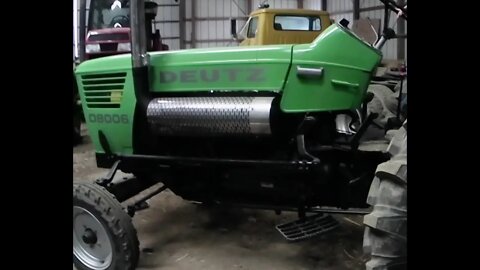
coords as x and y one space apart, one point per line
308 227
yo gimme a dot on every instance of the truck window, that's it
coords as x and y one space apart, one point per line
297 23
252 27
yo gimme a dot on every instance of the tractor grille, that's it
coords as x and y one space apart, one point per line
104 90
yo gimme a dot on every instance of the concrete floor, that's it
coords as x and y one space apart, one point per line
185 236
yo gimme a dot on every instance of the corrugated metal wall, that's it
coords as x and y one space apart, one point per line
211 22
345 7
369 3
207 22
168 22
277 3
312 4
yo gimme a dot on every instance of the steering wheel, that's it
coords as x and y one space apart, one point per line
121 20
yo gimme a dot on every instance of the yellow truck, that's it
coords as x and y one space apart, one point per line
267 26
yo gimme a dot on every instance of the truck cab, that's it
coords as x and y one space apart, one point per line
109 28
267 26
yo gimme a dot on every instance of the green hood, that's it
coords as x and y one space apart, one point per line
220 69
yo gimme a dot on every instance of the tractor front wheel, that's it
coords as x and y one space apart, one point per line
103 234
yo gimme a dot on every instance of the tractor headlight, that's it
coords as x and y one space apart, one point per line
124 47
92 48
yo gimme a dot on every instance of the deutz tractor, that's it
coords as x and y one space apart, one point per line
276 127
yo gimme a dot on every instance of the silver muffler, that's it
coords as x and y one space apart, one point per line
210 116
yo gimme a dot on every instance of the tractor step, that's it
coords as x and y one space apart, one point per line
308 227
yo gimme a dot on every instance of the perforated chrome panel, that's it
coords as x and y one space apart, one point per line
193 116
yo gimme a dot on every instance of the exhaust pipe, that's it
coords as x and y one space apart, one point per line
81 31
138 33
140 59
141 141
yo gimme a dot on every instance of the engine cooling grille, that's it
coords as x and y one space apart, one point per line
104 90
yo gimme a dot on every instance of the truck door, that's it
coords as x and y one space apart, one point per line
250 32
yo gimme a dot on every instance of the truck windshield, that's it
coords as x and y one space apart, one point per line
108 14
297 23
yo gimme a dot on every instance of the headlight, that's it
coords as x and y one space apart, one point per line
124 47
92 48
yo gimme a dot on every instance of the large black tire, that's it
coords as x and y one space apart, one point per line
94 200
385 238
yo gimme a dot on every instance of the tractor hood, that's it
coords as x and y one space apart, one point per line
255 68
232 68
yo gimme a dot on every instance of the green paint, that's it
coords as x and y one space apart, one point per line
108 106
222 69
347 65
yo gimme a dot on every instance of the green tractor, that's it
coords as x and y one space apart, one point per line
275 127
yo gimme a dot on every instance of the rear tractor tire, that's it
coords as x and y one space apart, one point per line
385 238
103 234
